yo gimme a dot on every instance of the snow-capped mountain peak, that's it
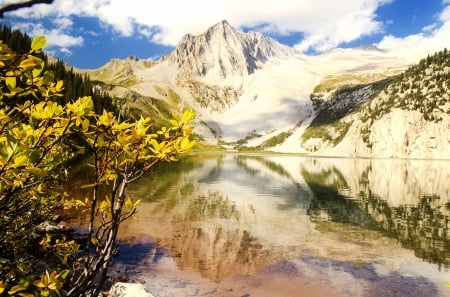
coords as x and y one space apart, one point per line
222 52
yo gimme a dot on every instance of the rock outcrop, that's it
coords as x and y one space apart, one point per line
223 52
129 290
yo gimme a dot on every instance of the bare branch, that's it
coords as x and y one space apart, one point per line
18 5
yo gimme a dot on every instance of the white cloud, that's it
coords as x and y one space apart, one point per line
434 37
57 39
325 24
63 22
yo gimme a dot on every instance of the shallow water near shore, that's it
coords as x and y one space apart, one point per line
283 225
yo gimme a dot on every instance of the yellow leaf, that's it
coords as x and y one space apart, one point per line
2 286
22 294
59 85
20 160
174 123
39 284
85 124
155 144
17 288
63 274
29 63
128 203
38 42
104 205
53 286
37 171
94 240
105 119
79 203
10 82
88 186
188 115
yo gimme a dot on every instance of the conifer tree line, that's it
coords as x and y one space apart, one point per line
76 85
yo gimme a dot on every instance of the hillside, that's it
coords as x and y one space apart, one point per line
252 93
406 115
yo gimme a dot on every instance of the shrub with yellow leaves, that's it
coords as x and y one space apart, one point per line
36 141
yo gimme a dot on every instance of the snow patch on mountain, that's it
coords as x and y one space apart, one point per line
223 55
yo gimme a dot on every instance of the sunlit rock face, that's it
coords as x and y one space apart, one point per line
223 51
398 134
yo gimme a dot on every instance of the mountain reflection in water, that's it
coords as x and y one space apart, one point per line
281 225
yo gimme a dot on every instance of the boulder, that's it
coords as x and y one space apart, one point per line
129 290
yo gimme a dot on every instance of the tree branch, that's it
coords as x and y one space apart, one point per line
16 6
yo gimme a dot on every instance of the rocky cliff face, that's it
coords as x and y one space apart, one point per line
399 134
405 116
224 52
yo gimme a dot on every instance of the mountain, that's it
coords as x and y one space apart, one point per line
224 52
251 92
406 115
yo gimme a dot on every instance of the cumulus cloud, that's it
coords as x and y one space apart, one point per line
434 37
57 38
324 24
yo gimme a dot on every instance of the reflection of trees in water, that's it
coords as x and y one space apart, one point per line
211 206
423 227
241 160
166 182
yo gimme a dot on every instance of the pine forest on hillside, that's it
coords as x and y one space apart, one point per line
424 87
76 85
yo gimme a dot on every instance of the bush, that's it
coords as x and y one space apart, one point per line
37 138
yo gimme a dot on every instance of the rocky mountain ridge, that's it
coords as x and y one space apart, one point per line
407 115
251 92
223 52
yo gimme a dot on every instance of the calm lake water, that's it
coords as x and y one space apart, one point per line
283 225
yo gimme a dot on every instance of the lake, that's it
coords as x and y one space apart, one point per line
285 225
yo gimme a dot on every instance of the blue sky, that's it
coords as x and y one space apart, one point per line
88 33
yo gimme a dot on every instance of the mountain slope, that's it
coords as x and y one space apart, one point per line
250 92
407 115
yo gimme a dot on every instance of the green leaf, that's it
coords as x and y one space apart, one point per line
17 288
63 274
38 68
38 43
48 77
37 171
